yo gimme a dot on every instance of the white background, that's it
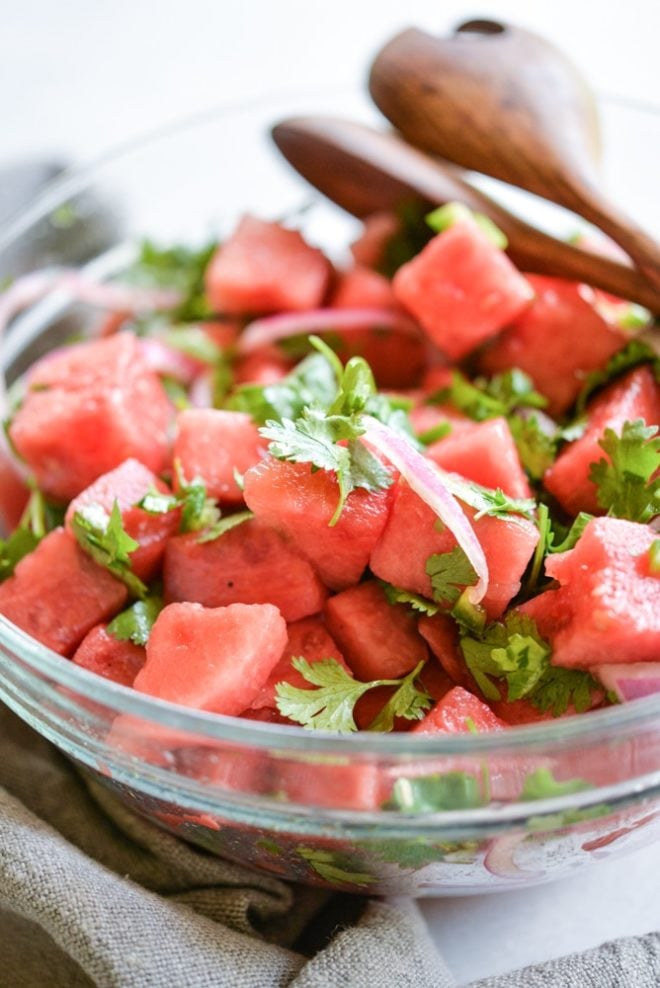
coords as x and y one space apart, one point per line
77 77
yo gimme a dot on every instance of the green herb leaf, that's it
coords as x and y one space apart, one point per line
654 557
135 623
19 544
179 268
312 383
103 537
559 688
224 525
193 341
537 450
435 793
483 399
487 501
411 237
456 212
397 596
409 702
450 572
198 511
512 651
330 707
541 784
574 533
632 355
627 484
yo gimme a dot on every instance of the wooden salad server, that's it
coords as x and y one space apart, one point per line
500 100
366 171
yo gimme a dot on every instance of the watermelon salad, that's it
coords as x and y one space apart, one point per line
418 492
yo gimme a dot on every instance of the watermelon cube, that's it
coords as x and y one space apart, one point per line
88 409
215 659
14 493
263 267
411 536
212 444
223 767
266 366
308 638
127 484
462 289
441 634
58 593
250 564
300 503
558 340
459 712
607 607
362 288
634 396
486 454
102 653
379 639
332 784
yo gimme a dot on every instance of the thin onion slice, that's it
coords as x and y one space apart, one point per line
629 680
426 481
270 329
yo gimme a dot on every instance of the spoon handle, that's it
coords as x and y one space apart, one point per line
504 102
366 171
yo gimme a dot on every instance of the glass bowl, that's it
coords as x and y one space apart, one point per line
311 806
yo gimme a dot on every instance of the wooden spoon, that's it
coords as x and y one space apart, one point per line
365 171
503 101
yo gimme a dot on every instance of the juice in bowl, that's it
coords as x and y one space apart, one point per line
243 544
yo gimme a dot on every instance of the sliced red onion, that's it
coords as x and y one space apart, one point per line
168 361
500 861
201 392
629 680
424 478
261 332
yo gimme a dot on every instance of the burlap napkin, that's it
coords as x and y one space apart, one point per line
92 895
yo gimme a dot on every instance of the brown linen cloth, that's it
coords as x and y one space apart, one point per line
91 894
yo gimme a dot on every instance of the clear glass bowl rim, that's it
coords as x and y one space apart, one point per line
597 726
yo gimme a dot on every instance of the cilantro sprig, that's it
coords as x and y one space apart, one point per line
635 352
198 510
627 485
512 655
450 573
104 538
38 518
331 705
179 268
328 437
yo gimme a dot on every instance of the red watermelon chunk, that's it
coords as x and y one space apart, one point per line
459 712
607 608
14 493
362 288
215 659
308 638
411 536
58 593
224 767
379 639
486 454
558 340
250 564
462 289
318 781
634 396
263 267
300 504
212 445
127 485
88 409
441 634
266 366
102 653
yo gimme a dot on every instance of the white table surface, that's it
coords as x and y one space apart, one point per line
77 77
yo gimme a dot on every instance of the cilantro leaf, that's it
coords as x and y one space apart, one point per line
626 487
454 212
559 688
434 793
224 525
573 534
511 650
197 510
19 544
483 399
103 537
487 501
193 341
179 268
409 702
397 596
450 573
635 352
412 236
312 383
537 448
135 623
541 784
330 706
